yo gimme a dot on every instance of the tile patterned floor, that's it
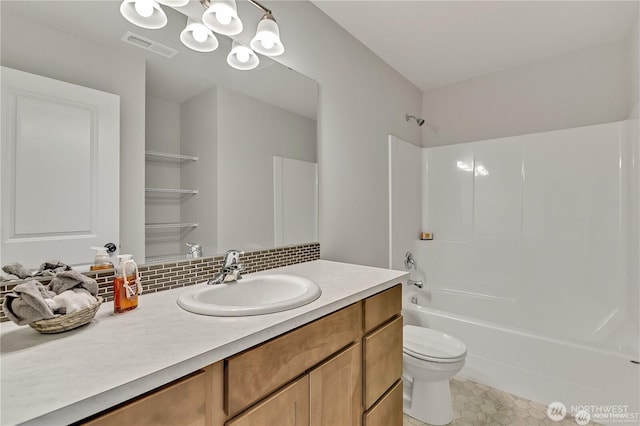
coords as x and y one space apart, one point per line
479 405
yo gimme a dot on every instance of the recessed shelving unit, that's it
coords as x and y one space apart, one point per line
164 196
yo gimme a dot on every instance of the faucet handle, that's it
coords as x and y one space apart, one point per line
232 257
195 250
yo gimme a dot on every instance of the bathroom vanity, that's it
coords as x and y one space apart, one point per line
337 360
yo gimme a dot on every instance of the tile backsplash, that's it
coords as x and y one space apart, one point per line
173 274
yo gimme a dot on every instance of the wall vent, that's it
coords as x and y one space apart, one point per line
148 44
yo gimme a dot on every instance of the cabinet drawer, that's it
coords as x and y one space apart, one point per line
381 307
253 374
388 411
382 360
182 402
288 407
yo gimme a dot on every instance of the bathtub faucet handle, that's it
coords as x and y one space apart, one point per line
416 283
409 261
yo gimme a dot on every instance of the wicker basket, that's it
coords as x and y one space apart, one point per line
67 322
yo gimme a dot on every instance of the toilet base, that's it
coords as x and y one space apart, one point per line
432 402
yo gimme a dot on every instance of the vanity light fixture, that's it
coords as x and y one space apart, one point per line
174 3
241 57
267 38
220 16
198 37
144 13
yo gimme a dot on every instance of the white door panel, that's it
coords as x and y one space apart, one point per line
295 201
60 170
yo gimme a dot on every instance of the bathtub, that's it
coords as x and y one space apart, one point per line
537 367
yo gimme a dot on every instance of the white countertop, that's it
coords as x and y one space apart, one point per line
62 378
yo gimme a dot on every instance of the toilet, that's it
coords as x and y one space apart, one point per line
430 358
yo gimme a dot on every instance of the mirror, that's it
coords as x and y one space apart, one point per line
230 155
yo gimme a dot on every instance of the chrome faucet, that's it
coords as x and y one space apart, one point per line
195 250
231 269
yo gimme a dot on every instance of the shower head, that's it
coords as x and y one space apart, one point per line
420 121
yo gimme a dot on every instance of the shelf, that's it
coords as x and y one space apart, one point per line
171 191
170 156
169 225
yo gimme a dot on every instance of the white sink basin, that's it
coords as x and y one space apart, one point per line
261 294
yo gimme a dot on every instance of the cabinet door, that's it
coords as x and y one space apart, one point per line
288 407
60 168
181 403
336 389
388 411
382 360
255 373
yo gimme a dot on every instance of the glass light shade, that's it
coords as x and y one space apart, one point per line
144 13
242 58
198 37
174 3
222 17
267 38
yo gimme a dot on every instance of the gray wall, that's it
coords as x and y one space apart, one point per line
53 54
584 87
199 130
362 101
250 133
634 55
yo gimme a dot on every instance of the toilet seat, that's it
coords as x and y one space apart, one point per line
432 359
432 345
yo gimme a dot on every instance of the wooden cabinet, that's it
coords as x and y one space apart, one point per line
382 360
336 389
256 372
388 410
325 373
287 407
183 402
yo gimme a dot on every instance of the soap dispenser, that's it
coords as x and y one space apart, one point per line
102 260
126 285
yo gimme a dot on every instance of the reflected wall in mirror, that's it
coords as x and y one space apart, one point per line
254 183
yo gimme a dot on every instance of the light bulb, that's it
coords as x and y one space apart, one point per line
223 16
200 34
242 55
144 8
267 42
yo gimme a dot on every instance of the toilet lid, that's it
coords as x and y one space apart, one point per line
431 343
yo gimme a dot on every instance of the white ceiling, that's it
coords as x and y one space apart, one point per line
436 43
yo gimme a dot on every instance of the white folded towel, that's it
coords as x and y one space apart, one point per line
71 301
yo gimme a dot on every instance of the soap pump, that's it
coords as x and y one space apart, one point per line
102 259
126 285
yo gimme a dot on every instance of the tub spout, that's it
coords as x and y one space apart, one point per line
416 283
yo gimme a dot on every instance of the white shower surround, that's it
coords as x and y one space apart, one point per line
534 262
534 230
